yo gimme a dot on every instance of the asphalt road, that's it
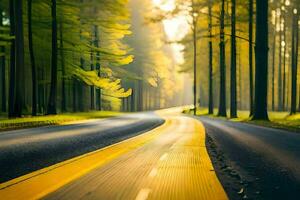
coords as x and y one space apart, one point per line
24 151
254 162
174 165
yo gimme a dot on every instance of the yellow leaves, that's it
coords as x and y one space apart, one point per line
153 82
91 78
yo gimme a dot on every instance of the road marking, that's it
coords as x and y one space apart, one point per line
163 157
153 173
143 194
40 183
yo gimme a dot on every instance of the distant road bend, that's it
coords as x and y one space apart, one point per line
24 151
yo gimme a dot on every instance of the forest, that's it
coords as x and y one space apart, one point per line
73 56
59 56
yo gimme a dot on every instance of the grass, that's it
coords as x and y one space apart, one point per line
30 122
280 120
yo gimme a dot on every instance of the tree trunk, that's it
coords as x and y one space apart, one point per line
92 88
222 103
98 68
20 81
32 59
195 63
210 98
53 87
251 84
12 74
273 64
284 66
63 70
261 58
3 75
294 62
233 104
279 69
74 95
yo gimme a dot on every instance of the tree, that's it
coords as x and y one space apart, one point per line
210 46
194 29
2 69
53 87
20 81
295 38
233 103
63 69
261 59
251 83
222 101
273 58
32 59
12 74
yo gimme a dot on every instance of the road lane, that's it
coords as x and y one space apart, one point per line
24 151
175 165
266 159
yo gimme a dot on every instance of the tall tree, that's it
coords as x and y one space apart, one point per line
98 66
20 79
233 103
194 29
295 34
261 59
251 83
210 46
280 103
32 59
2 70
273 60
222 101
12 67
63 69
53 87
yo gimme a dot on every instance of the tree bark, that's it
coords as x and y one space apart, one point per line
261 58
32 59
251 84
222 101
233 104
53 87
20 81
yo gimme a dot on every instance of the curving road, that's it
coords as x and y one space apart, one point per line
24 151
168 162
265 161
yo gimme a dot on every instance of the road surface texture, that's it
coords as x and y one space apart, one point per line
254 162
168 162
25 151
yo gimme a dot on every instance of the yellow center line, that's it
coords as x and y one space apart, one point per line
185 170
42 182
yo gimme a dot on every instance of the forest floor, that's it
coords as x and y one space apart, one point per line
280 120
60 119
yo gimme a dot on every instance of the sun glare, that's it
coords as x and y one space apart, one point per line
175 28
